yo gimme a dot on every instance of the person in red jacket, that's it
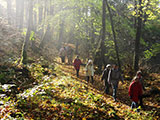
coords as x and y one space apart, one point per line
77 63
135 91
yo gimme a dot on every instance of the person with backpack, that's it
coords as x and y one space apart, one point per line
77 63
105 77
89 70
140 77
135 90
62 54
113 78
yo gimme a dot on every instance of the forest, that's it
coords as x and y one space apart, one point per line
41 41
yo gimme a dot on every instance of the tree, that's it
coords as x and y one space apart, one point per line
29 29
103 33
114 34
18 13
9 5
138 36
21 14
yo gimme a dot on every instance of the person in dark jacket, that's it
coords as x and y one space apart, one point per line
114 77
105 77
77 63
135 90
140 77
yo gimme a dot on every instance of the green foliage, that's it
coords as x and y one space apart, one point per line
153 51
32 36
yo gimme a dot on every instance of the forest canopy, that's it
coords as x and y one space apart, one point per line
119 31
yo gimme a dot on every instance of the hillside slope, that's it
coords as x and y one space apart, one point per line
60 95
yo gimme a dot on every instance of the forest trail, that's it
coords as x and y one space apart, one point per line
122 93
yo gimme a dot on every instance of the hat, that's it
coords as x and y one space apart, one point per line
109 65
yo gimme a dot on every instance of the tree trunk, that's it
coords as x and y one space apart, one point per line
21 14
18 13
114 35
46 38
103 34
138 36
135 19
26 43
48 34
9 4
35 21
40 16
26 13
61 31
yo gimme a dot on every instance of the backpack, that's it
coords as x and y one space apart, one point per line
115 74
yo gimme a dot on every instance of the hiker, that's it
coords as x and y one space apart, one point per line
135 90
105 77
77 63
62 53
69 54
140 77
89 70
113 78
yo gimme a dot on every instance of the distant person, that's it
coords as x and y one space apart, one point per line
77 62
113 78
135 90
89 70
105 77
140 77
69 54
62 54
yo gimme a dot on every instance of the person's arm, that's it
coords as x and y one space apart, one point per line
103 74
109 76
140 90
142 81
80 62
130 91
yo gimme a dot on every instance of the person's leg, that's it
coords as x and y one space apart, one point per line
133 105
114 92
106 87
87 78
141 101
63 59
77 72
92 79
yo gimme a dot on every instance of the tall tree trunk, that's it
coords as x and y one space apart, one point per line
46 38
40 16
9 5
61 32
26 12
135 19
35 21
114 35
17 13
48 34
138 36
30 24
21 14
103 34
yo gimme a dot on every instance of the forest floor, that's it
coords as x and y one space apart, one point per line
54 92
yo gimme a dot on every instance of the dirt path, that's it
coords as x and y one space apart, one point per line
98 85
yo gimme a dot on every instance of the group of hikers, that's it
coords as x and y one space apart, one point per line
112 75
